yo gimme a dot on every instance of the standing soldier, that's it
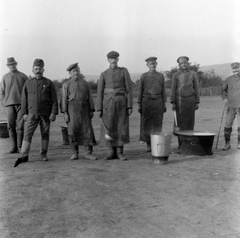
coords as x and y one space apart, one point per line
12 86
151 101
78 109
185 94
231 97
114 105
39 106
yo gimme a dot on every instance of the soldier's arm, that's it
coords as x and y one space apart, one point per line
128 84
100 91
196 88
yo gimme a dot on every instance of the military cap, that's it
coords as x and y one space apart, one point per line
235 65
72 66
10 61
152 58
112 54
182 58
38 62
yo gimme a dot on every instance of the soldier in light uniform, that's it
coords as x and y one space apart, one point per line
114 105
78 108
11 90
151 101
231 97
185 97
39 106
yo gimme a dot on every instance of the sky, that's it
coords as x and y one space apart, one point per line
63 32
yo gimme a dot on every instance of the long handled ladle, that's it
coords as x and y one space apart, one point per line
176 127
107 137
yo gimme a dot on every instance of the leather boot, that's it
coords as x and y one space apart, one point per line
227 136
74 149
120 153
13 138
88 153
113 153
44 149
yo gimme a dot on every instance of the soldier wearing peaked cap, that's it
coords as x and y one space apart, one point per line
151 101
185 97
11 90
78 109
39 106
114 105
231 97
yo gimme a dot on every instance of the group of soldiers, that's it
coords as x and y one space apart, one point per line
32 102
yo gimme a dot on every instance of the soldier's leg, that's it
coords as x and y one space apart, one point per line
230 116
45 131
113 153
88 153
20 127
11 123
74 148
120 153
238 144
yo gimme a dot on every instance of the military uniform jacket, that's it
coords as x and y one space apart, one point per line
39 97
231 90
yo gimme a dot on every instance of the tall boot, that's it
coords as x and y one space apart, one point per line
238 145
24 151
13 138
148 147
113 153
74 149
19 139
44 149
120 153
88 153
227 136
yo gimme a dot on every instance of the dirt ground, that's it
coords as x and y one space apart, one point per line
191 196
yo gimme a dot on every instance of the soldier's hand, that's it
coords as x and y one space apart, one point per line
25 117
196 106
66 117
99 114
165 108
140 108
130 111
91 114
174 107
52 117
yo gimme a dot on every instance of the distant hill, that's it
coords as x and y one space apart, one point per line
222 70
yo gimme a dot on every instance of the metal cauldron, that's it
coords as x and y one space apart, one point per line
195 142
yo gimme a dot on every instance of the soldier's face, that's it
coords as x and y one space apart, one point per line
113 62
38 71
184 64
12 67
152 65
75 73
236 71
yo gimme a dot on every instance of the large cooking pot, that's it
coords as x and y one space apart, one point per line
195 142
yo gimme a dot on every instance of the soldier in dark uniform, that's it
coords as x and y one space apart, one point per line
114 105
231 97
11 89
39 106
78 109
151 101
185 94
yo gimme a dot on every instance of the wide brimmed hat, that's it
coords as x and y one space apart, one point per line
11 61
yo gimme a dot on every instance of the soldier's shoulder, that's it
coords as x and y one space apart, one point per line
6 75
23 75
123 68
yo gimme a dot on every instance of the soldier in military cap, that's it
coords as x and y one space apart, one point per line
78 109
39 106
11 90
151 101
185 97
231 97
114 105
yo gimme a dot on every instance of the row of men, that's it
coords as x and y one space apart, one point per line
34 102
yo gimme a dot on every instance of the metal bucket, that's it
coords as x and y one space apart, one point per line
65 135
161 145
3 129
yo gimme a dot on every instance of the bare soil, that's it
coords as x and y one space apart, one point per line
191 196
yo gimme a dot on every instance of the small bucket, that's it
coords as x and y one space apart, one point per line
65 135
3 129
161 145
